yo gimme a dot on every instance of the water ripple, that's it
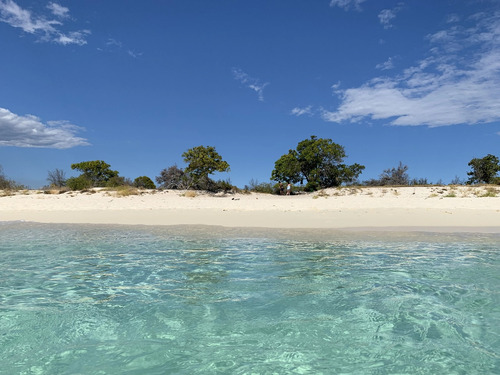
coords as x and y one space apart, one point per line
132 300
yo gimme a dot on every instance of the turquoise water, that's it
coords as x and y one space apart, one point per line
202 300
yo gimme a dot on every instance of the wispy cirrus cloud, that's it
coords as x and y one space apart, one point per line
47 30
459 83
30 131
386 65
387 15
252 83
347 4
114 45
298 111
58 10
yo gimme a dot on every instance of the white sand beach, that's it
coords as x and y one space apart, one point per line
434 208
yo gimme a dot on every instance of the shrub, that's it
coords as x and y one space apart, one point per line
262 187
118 181
224 186
392 177
419 181
78 183
144 182
125 191
173 178
311 186
6 184
57 178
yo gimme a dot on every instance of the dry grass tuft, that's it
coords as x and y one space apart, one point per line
6 193
322 194
55 191
490 192
125 191
190 194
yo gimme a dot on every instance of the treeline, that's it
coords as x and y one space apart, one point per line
316 163
201 161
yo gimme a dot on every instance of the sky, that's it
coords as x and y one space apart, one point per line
137 83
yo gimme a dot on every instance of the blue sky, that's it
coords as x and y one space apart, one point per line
137 83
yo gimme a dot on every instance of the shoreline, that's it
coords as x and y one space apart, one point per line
429 209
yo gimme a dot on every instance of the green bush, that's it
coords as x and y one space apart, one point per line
144 182
78 183
311 186
263 187
224 186
116 181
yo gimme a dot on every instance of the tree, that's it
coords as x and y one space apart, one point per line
173 177
57 178
287 168
144 182
483 170
319 162
97 172
203 161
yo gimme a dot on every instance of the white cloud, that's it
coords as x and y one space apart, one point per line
387 65
133 54
250 82
47 30
347 4
297 111
111 42
30 131
458 84
385 17
58 10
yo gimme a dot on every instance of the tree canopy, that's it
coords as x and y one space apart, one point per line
484 170
319 161
203 161
144 182
97 172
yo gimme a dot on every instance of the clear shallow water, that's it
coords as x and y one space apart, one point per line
195 300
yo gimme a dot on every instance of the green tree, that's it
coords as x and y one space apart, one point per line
97 172
287 168
319 162
144 182
483 170
203 161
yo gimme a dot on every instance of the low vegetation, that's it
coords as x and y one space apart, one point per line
314 165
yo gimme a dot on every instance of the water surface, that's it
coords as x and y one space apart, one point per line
205 300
